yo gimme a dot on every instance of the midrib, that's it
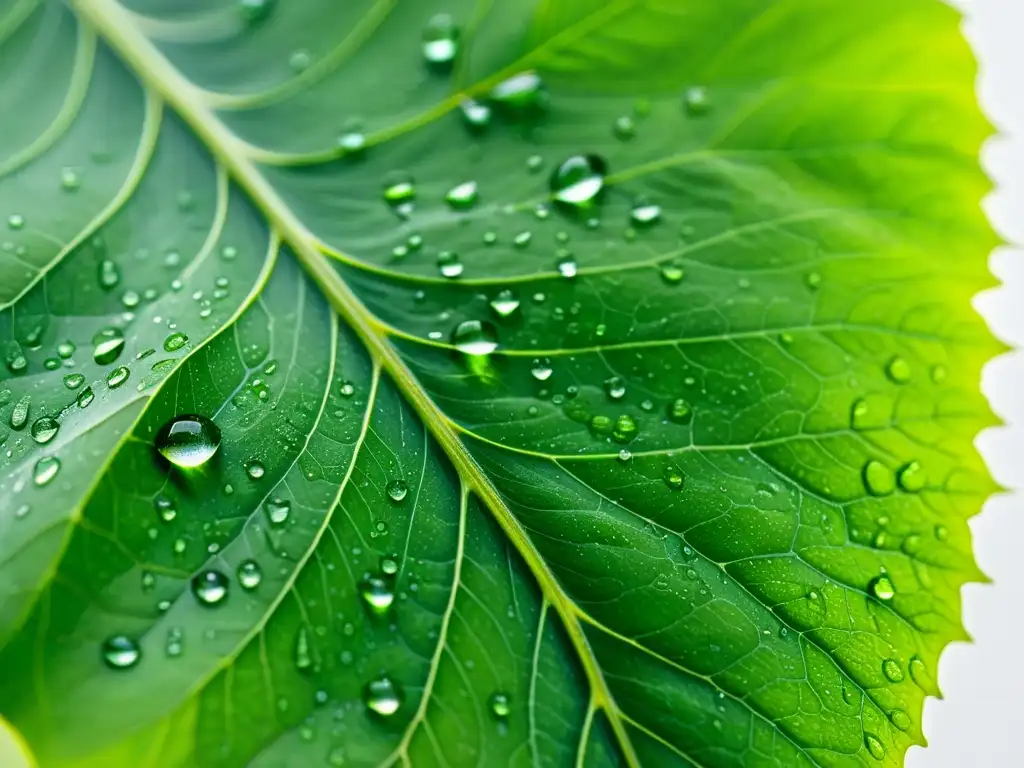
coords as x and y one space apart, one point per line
117 26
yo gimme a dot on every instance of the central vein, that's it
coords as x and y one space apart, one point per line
120 29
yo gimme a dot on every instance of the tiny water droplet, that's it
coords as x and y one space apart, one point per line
898 370
117 377
475 337
45 470
878 478
249 574
210 587
440 43
567 266
462 196
882 588
174 342
449 264
377 594
109 275
352 142
107 345
69 180
188 441
165 508
121 652
397 489
389 565
475 115
16 221
696 100
673 477
66 349
347 389
672 272
277 511
578 181
44 429
505 303
383 696
615 388
400 191
500 706
624 128
303 656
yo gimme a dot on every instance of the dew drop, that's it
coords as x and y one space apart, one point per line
615 388
210 587
874 746
449 264
66 349
45 470
174 342
939 373
519 92
898 370
117 377
19 413
302 656
625 429
644 214
475 337
541 369
672 272
900 719
165 509
255 11
680 411
277 511
475 115
673 477
499 704
462 196
921 677
505 303
892 671
44 429
188 441
440 43
255 470
85 398
882 588
567 266
16 221
174 644
377 595
397 489
347 389
696 100
911 477
383 696
107 345
389 565
878 478
624 128
401 191
352 142
121 652
249 574
109 275
578 181
69 180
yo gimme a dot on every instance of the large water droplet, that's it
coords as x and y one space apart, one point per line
475 337
625 429
624 128
519 92
107 345
45 470
499 704
377 594
277 511
878 479
74 380
615 388
121 652
673 477
911 477
19 413
255 470
175 341
462 196
892 671
541 369
680 411
117 377
505 303
898 370
476 115
696 100
440 43
449 264
644 214
874 746
188 441
397 489
210 587
578 181
250 574
882 588
567 265
383 696
44 429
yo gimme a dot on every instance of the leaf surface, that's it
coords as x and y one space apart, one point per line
705 502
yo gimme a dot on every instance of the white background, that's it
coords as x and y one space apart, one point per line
981 720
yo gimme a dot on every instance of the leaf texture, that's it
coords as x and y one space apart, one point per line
704 503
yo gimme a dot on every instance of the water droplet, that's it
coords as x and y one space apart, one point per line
615 388
624 128
44 429
377 594
567 266
117 377
347 389
900 719
939 373
397 489
16 221
673 477
625 429
277 511
389 565
520 92
107 345
680 411
696 100
174 644
921 677
440 43
898 370
911 477
878 478
475 115
255 11
69 180
505 303
475 337
174 342
165 508
85 397
109 275
813 280
882 588
462 196
188 441
299 60
448 264
255 470
210 587
45 470
352 142
66 349
578 181
130 299
19 413
645 214
541 369
499 704
892 671
121 652
402 191
303 657
249 574
383 696
874 746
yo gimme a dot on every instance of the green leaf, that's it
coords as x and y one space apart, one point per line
703 504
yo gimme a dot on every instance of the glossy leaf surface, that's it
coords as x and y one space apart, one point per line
575 383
